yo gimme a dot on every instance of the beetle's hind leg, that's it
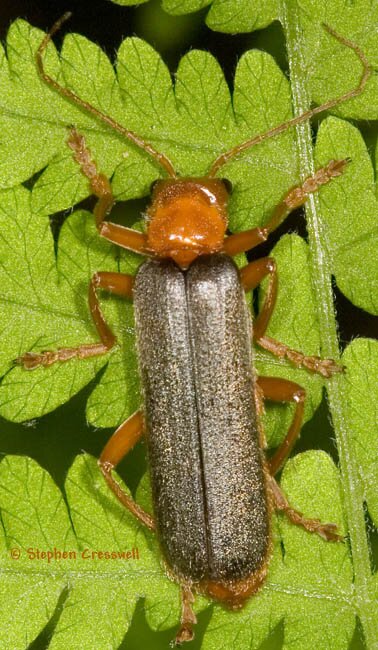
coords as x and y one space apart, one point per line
116 283
327 531
283 390
188 617
121 442
119 445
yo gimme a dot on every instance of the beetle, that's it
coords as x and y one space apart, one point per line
213 487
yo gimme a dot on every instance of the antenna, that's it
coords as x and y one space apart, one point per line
162 160
231 153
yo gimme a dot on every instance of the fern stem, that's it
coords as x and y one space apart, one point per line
352 488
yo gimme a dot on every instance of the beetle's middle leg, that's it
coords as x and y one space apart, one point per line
118 284
283 390
253 273
251 277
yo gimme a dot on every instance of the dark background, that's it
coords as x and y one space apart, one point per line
107 24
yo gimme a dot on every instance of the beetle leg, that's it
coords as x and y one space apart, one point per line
116 283
100 186
251 276
127 238
260 410
296 197
121 442
324 367
188 617
282 390
327 531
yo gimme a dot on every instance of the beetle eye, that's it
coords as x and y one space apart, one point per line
227 184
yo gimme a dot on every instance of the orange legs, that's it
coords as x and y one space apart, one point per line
282 390
243 241
253 273
251 276
188 617
121 442
116 283
324 367
327 531
100 186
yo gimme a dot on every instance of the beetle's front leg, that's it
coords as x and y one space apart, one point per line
253 273
296 197
118 284
100 186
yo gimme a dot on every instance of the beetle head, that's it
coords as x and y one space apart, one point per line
187 218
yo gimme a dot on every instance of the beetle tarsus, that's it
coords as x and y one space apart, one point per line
28 361
325 367
99 183
327 531
188 617
185 633
299 195
46 358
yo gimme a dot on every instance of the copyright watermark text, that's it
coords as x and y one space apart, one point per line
56 555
